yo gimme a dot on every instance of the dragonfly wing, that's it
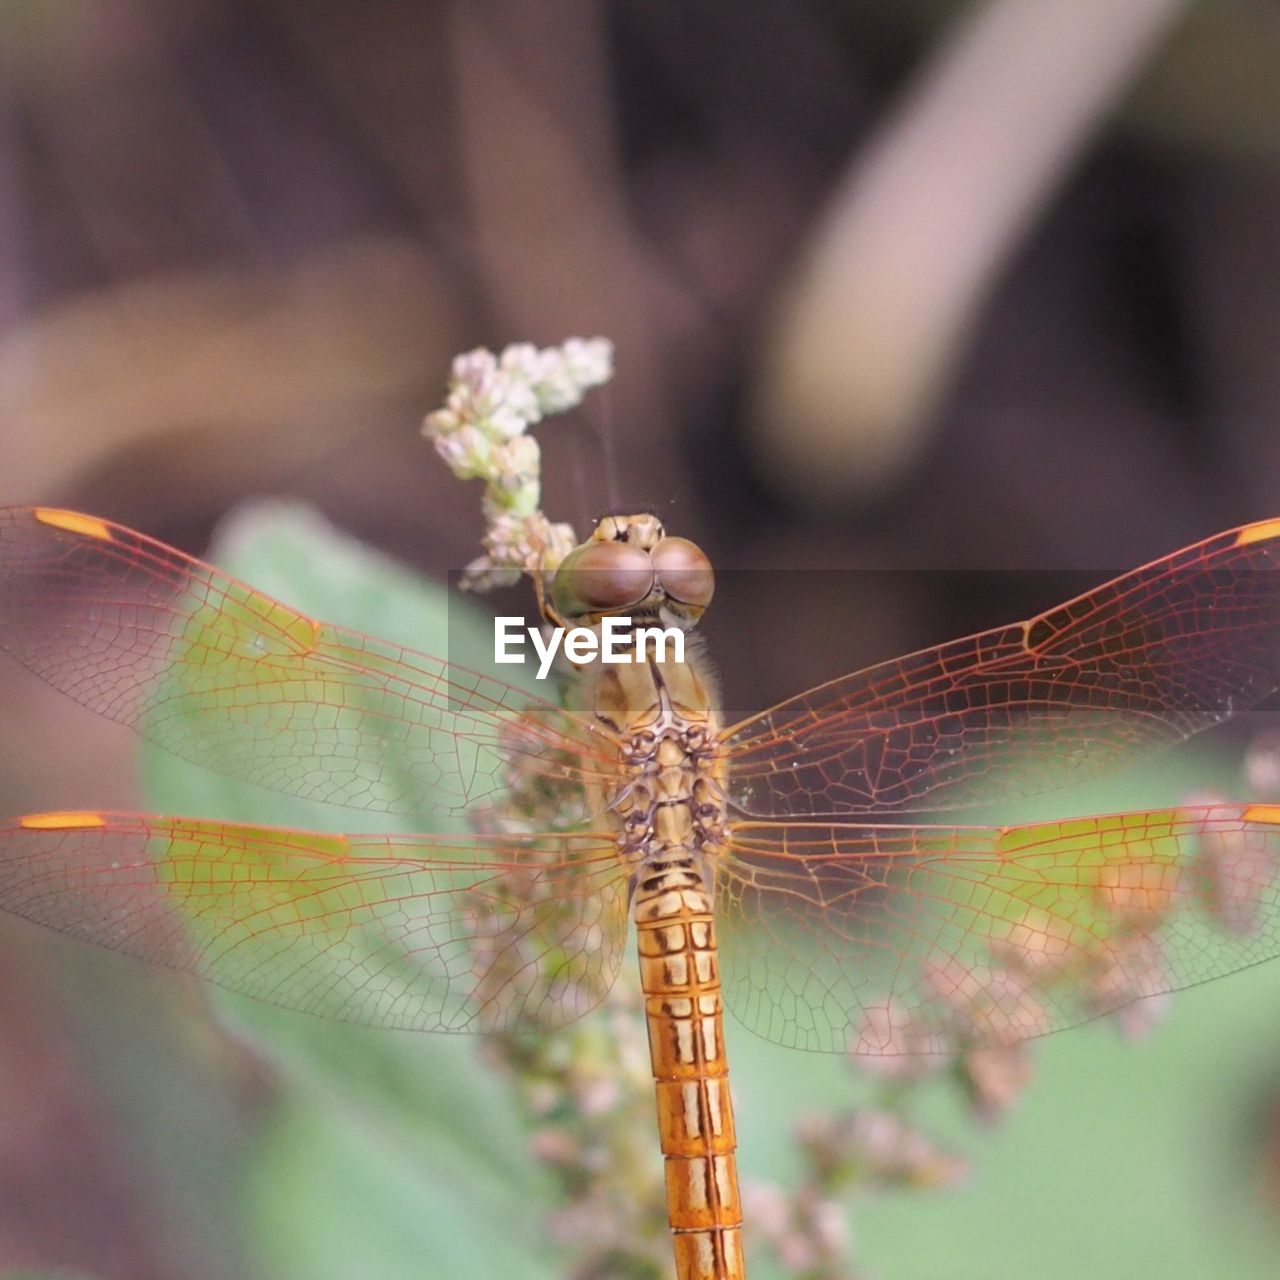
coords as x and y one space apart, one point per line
450 933
1141 662
229 678
892 939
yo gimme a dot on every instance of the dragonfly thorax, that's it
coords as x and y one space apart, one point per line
672 796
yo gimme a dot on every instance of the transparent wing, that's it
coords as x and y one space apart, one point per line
1139 663
229 678
418 933
883 939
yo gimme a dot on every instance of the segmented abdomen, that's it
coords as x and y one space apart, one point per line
679 971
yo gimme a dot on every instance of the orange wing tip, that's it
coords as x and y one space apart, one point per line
74 522
1263 531
61 821
1268 813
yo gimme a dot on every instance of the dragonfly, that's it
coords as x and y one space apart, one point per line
798 868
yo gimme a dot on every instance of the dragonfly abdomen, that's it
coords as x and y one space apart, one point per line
680 975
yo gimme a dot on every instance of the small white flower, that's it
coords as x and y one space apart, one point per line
560 539
507 538
482 575
467 453
829 1229
475 370
525 499
516 465
520 360
504 421
556 390
589 361
440 423
769 1208
481 432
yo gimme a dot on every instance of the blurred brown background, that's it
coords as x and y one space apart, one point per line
893 283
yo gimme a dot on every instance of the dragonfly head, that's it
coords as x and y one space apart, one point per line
629 566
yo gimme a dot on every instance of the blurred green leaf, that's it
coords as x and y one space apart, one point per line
332 1197
1123 1159
398 1148
291 553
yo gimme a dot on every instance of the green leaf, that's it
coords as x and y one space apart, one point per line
391 1154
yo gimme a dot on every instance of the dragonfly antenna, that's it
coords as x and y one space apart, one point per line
608 447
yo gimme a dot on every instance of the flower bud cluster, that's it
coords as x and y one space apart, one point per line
481 433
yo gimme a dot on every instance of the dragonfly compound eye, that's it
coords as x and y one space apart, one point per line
601 577
684 571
